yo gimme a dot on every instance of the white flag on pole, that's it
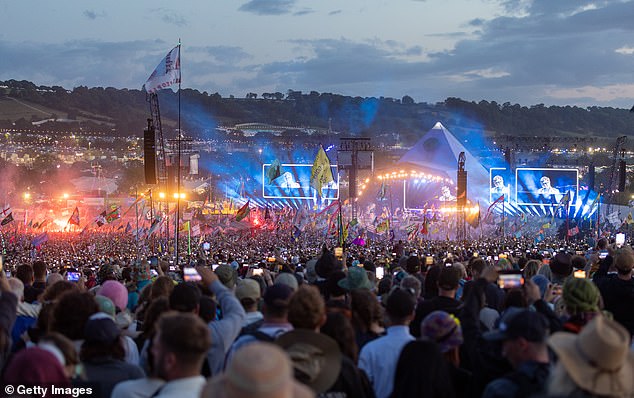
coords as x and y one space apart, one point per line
167 73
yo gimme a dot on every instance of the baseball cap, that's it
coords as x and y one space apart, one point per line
518 322
248 288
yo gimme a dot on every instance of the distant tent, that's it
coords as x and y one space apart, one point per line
437 153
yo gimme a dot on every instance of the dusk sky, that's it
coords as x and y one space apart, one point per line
555 52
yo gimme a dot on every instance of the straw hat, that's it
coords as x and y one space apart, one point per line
598 359
259 370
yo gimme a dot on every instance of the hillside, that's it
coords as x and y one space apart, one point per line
124 112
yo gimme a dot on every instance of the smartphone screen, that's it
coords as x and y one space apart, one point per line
191 275
214 266
429 260
380 272
73 276
510 280
620 239
580 274
603 254
258 271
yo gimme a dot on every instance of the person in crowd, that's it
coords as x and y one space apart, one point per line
561 267
422 371
25 273
8 313
39 275
378 358
35 366
223 331
26 313
367 316
102 355
317 359
260 370
444 329
531 268
248 292
596 362
71 313
581 300
64 350
523 334
448 283
180 346
617 289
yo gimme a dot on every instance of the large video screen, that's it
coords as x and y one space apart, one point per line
545 186
294 183
423 195
500 182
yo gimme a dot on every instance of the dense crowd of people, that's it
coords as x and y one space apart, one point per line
269 316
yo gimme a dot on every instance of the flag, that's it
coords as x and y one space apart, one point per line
38 240
382 191
195 230
412 231
564 202
154 226
101 219
573 231
7 219
243 211
495 202
6 210
167 72
383 226
320 174
425 229
74 218
267 215
113 215
274 171
613 218
184 227
629 219
594 202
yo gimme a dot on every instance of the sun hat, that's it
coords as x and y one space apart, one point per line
598 359
443 329
357 278
316 358
116 292
259 370
580 295
561 264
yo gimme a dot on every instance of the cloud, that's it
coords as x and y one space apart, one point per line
335 12
625 50
169 16
91 14
268 7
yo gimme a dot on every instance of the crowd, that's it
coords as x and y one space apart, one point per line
269 316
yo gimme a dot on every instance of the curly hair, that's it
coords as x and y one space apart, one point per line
71 312
306 308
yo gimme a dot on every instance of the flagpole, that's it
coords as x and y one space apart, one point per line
566 238
503 215
136 216
178 189
599 218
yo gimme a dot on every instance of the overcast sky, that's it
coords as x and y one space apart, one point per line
556 52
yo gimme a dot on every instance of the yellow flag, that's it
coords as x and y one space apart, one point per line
320 174
184 226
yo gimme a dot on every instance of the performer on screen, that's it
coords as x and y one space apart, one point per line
446 195
546 189
498 187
